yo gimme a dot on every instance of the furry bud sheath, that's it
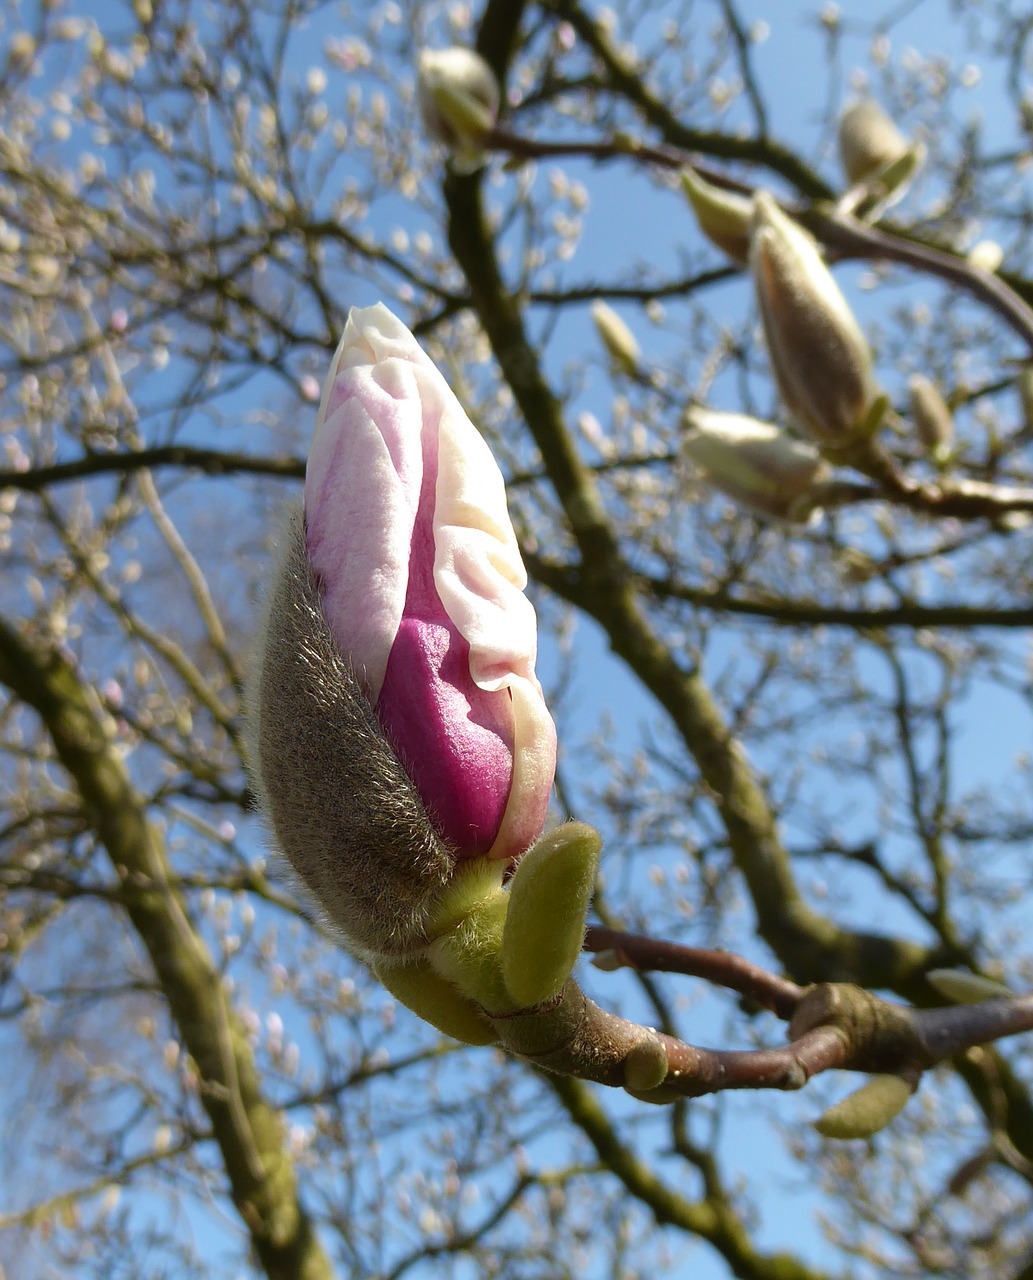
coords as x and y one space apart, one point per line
399 729
818 354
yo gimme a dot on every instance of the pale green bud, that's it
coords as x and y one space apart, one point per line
932 416
818 354
868 1110
616 337
458 98
645 1067
469 954
548 900
755 464
965 988
436 1000
723 216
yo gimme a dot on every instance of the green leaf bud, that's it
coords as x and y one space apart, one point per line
965 988
723 216
868 1110
436 1000
548 901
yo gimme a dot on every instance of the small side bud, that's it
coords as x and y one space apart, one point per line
645 1067
818 354
548 900
458 97
868 1110
723 216
616 337
965 988
985 255
755 464
932 416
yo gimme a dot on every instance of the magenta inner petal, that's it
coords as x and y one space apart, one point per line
453 738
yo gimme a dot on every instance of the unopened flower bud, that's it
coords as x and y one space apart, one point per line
458 97
868 140
755 464
818 354
873 151
616 337
932 416
723 216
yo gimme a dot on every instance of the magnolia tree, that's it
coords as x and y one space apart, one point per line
516 523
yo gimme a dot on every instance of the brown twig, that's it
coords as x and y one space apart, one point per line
831 1025
724 968
834 228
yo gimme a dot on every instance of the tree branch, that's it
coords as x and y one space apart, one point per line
246 1127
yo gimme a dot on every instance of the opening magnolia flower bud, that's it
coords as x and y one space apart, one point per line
755 464
458 97
399 727
818 354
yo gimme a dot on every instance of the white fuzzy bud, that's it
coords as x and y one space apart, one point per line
818 354
932 416
616 337
868 140
458 98
755 464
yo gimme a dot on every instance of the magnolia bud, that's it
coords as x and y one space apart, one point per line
400 731
723 216
818 354
932 417
755 464
617 338
873 151
458 98
868 140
